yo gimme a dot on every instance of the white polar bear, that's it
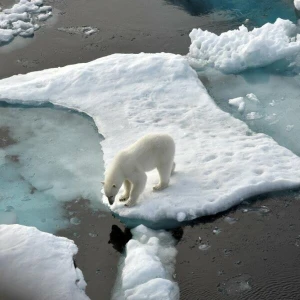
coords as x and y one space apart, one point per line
129 167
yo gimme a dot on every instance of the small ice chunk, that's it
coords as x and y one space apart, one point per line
204 247
253 116
75 221
230 220
44 17
216 231
252 97
289 127
181 216
297 4
238 102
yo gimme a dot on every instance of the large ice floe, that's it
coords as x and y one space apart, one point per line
219 160
237 50
22 19
147 270
38 265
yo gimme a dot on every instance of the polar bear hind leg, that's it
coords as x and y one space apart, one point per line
165 170
127 187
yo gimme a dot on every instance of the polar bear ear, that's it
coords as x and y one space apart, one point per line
114 185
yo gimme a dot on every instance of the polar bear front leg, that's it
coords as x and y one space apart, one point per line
127 186
138 187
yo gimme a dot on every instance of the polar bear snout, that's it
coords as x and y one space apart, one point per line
111 199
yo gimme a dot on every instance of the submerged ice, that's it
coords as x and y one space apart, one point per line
219 160
47 157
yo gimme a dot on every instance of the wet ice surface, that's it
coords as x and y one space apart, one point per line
277 111
47 157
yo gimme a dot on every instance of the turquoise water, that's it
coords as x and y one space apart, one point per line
48 157
258 12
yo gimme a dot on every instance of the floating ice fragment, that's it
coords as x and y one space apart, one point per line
9 208
216 231
252 97
297 4
92 234
230 220
86 30
181 216
238 102
236 285
289 127
44 17
75 221
204 247
253 116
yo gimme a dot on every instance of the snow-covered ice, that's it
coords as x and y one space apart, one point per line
38 265
219 160
297 4
147 270
237 50
22 19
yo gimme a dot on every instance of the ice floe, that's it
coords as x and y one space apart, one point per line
38 265
297 4
22 19
219 160
147 270
237 50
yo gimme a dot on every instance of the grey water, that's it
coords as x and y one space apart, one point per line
48 157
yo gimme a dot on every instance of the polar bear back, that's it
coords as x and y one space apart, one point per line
150 151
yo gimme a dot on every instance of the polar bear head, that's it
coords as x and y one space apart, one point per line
111 188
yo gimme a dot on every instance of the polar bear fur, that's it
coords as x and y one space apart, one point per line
129 167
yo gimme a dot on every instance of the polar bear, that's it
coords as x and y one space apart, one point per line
129 167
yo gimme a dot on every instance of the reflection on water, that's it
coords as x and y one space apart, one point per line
47 157
258 11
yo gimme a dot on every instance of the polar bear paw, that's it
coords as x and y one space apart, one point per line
124 198
160 187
